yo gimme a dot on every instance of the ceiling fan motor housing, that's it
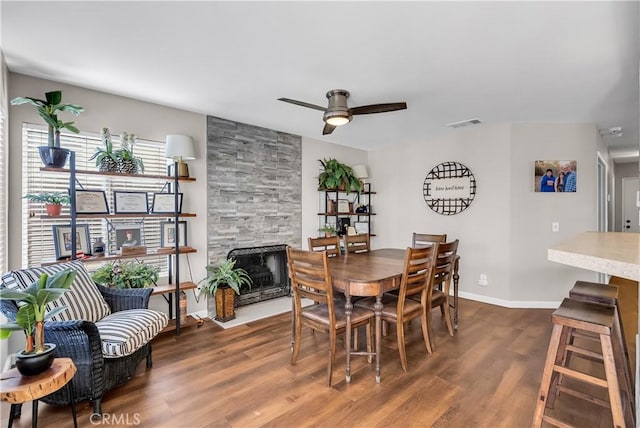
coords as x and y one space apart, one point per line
337 105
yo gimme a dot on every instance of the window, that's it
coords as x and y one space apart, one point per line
38 246
4 194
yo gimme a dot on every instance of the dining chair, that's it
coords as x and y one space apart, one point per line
311 279
400 309
422 239
330 244
356 243
439 295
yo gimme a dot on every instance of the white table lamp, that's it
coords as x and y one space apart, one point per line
179 148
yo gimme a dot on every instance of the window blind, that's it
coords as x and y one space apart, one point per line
38 246
4 194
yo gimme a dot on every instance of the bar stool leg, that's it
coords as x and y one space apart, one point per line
552 355
34 414
612 380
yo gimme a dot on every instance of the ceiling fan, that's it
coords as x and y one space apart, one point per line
338 113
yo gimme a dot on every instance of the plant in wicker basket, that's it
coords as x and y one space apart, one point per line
221 282
127 162
106 158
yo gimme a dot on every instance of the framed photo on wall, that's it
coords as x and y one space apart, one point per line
62 240
555 176
168 234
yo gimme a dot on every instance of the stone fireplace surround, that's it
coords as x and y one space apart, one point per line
254 188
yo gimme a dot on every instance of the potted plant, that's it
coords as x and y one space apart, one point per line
328 229
53 201
127 162
48 109
128 274
338 176
106 158
31 316
223 282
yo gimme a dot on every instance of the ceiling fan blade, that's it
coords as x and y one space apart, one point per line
328 129
378 108
302 103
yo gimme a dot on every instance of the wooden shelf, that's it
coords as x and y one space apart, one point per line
117 174
189 322
158 252
347 213
170 288
163 215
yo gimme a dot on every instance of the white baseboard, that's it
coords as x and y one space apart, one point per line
527 304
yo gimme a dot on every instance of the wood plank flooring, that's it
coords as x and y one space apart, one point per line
488 375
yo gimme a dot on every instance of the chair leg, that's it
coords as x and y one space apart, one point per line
612 380
369 332
447 315
332 355
425 333
401 349
296 341
97 406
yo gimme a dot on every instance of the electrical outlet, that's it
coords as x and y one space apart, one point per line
555 226
483 280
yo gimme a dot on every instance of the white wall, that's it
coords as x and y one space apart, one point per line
506 231
148 121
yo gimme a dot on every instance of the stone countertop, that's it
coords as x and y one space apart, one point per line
613 253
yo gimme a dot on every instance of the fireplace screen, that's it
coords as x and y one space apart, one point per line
267 267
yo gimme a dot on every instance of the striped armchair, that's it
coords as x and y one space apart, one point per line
106 332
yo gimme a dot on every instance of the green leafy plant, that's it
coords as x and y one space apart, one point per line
48 110
53 198
127 162
225 274
32 303
129 274
328 228
106 158
337 175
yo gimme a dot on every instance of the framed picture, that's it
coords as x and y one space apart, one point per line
343 205
128 235
361 227
163 203
342 224
91 202
130 202
62 240
168 234
555 176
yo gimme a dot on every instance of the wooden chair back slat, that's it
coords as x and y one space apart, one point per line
331 245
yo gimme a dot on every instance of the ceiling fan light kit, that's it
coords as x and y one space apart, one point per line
338 112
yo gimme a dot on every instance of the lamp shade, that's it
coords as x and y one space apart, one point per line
360 171
179 146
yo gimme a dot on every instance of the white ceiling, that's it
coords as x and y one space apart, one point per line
450 61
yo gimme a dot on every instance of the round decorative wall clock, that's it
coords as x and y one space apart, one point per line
449 188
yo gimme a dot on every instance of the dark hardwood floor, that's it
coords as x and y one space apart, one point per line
486 376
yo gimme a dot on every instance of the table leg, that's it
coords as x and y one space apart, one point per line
377 307
72 400
348 307
34 414
456 277
12 414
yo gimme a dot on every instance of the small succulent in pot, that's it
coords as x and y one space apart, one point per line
328 229
53 201
127 162
106 158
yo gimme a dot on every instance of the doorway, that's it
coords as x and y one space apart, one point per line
630 211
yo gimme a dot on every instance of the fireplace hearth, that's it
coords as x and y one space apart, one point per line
267 267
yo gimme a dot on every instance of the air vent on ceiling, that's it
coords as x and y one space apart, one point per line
464 123
616 131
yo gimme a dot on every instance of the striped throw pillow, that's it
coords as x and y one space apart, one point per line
83 300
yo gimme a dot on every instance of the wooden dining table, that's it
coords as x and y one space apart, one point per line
370 275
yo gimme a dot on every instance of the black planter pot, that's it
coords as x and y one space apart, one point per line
53 156
34 364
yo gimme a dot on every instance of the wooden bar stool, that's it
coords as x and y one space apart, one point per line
599 319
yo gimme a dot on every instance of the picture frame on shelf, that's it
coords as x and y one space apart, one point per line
91 202
125 202
164 203
62 240
343 206
342 224
128 235
168 234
